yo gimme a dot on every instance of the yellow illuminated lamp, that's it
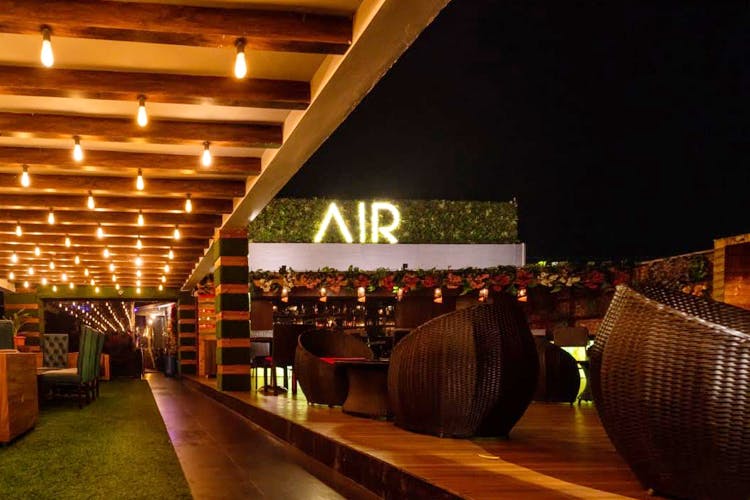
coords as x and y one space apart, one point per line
67 242
361 294
522 297
19 231
333 213
438 299
285 294
323 295
484 293
47 55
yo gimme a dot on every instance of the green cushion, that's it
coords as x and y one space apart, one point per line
64 376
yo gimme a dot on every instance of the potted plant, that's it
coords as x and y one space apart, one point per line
18 319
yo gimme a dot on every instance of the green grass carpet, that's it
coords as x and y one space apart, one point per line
116 447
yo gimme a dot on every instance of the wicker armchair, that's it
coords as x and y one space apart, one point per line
468 372
559 379
671 380
319 378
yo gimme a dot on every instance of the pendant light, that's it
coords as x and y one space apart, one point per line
139 183
47 56
141 220
77 149
100 232
90 203
67 241
188 204
51 216
142 116
240 62
25 178
19 231
176 233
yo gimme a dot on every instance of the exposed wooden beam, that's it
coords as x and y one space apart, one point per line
126 161
111 242
156 254
82 184
180 25
164 220
88 128
159 87
72 230
115 204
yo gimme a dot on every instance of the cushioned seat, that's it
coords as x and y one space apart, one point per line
63 375
55 349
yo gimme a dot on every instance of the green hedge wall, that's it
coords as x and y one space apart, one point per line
291 220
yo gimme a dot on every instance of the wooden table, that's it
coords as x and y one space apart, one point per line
368 388
19 403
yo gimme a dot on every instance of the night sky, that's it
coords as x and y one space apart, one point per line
620 128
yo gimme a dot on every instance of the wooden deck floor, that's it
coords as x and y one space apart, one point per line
555 451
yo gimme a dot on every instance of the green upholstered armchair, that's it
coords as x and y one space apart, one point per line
82 378
55 350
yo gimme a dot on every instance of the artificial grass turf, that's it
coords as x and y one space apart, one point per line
116 447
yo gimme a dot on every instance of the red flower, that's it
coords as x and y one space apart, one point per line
594 279
619 277
361 280
387 282
500 281
429 281
411 281
523 278
453 281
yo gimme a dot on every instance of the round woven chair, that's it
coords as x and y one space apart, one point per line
671 381
559 378
314 364
468 372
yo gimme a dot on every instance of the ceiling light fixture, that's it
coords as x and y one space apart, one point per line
47 56
240 62
37 251
77 149
206 158
19 231
100 232
142 116
67 241
25 177
51 216
139 184
90 201
141 220
188 204
176 233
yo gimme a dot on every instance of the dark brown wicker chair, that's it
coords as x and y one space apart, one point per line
284 348
323 382
671 381
559 379
468 372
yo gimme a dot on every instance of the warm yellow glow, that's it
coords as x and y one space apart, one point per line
64 277
92 282
13 257
163 279
30 271
138 290
140 185
111 267
37 251
138 283
166 268
484 293
47 56
77 260
11 275
285 294
170 255
71 286
161 287
51 216
323 295
96 289
86 272
141 220
117 286
77 149
138 273
19 231
90 201
206 158
44 281
100 232
26 284
176 233
188 204
54 288
361 294
52 265
385 231
333 213
106 252
240 61
138 261
142 116
114 278
67 242
25 177
138 243
438 296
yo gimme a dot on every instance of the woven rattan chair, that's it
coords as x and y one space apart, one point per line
314 364
671 381
559 379
468 372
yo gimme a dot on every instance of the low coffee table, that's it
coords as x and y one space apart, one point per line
368 388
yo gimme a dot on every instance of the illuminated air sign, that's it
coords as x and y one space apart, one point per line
377 228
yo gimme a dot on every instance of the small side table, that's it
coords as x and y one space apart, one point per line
368 388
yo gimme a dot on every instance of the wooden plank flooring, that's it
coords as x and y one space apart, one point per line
555 451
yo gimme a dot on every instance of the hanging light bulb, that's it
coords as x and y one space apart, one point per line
25 177
188 204
166 268
163 279
137 273
142 117
30 271
14 257
37 251
54 288
206 158
138 283
12 275
67 241
96 289
170 254
176 233
90 201
71 285
51 216
77 260
438 299
117 286
323 295
161 287
240 62
44 281
106 252
361 294
100 232
19 231
86 272
484 294
138 290
52 265
26 284
77 149
139 184
47 56
111 267
92 282
114 278
141 220
285 294
64 277
138 243
138 261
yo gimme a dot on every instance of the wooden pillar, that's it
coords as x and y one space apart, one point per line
232 311
186 333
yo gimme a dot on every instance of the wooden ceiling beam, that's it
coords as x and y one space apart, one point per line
179 24
112 242
82 184
116 204
158 87
147 254
63 218
74 230
90 128
37 158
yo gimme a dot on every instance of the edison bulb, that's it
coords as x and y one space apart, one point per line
141 220
37 251
111 267
161 287
52 265
77 149
206 158
30 271
54 288
117 286
77 260
86 272
114 278
142 117
240 61
139 184
90 201
138 273
51 217
67 242
11 275
188 204
176 233
163 279
47 56
25 177
44 281
138 244
13 257
138 261
170 254
71 286
64 277
100 232
106 253
26 284
166 268
19 231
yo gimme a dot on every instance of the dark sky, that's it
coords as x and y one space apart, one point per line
620 127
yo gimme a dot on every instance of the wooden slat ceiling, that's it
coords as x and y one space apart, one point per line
180 56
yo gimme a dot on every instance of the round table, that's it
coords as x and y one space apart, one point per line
368 388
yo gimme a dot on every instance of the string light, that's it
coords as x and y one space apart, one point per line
240 62
141 221
139 184
188 204
86 272
71 285
137 273
30 271
77 149
285 294
138 261
19 231
138 243
163 279
323 295
92 282
166 268
52 265
11 275
77 260
105 252
117 286
170 254
142 116
111 267
64 277
44 281
438 299
67 241
26 284
47 56
37 251
138 283
161 287
90 201
206 158
51 216
176 233
114 278
54 288
138 290
25 177
100 232
14 257
96 289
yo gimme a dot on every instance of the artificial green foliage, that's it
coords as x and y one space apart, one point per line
115 447
290 220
